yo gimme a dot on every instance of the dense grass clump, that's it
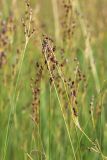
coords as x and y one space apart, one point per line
53 80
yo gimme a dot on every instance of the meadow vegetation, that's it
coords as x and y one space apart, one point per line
53 80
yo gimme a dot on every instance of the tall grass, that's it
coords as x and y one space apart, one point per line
53 80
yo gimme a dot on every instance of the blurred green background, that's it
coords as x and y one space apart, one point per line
20 138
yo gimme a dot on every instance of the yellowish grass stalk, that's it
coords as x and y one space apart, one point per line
89 50
56 20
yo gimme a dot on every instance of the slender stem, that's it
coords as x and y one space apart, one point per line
12 101
56 20
50 126
61 108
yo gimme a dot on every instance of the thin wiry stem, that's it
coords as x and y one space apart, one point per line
12 103
56 20
61 108
12 98
50 124
76 122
